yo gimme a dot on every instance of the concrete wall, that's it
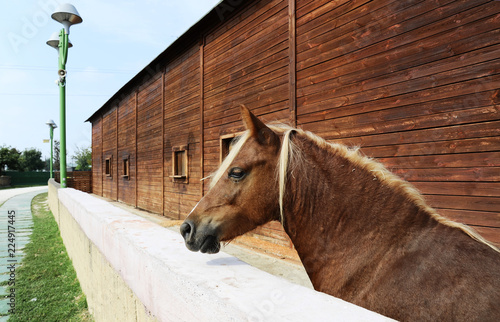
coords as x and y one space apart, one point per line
134 270
108 296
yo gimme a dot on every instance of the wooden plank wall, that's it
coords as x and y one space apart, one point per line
97 156
414 83
127 149
109 150
182 128
246 62
150 145
79 180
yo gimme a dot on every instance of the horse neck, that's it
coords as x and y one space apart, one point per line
340 217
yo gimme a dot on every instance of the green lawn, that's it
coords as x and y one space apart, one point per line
46 285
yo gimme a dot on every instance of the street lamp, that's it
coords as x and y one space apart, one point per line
54 41
52 126
67 15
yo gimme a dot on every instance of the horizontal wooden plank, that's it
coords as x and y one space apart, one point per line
253 27
455 124
399 53
481 189
247 75
451 76
276 236
173 67
251 88
187 115
468 217
173 190
490 234
475 174
482 144
364 108
490 204
329 17
278 239
270 37
186 69
229 120
354 76
356 25
338 108
186 201
379 35
258 96
483 159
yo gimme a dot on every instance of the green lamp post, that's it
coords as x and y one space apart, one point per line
52 126
67 15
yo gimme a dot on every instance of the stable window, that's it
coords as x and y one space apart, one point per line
108 167
180 164
126 167
226 144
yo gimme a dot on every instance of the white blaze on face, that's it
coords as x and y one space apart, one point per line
193 209
229 158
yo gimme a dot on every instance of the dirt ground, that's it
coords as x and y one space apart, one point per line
272 258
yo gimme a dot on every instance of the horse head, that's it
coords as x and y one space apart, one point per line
243 193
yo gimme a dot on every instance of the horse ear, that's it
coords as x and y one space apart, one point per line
251 122
257 129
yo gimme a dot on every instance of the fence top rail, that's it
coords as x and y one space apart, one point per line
155 264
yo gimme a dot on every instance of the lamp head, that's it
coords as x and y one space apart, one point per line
54 41
67 15
51 124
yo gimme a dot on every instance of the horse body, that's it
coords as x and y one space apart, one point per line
363 234
376 247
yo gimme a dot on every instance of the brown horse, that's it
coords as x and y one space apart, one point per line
363 234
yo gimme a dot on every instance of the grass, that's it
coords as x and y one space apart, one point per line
47 288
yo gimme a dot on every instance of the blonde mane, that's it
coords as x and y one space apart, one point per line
291 156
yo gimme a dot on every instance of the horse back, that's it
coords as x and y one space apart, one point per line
446 275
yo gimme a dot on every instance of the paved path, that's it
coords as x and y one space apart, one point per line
6 194
16 218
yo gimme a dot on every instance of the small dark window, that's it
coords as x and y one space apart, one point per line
109 167
126 167
226 143
180 164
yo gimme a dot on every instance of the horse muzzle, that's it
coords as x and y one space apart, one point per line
200 238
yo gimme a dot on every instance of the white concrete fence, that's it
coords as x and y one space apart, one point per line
132 269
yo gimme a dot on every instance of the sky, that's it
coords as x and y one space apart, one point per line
114 42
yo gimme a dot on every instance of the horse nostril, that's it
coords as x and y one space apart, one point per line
187 228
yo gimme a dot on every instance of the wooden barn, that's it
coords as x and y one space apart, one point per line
415 84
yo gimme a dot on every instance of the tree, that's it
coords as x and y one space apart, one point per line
9 157
83 158
31 160
46 164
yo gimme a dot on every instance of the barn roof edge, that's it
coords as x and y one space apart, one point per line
192 35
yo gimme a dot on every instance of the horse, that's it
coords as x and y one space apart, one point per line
363 234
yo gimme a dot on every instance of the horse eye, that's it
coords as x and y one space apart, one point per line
236 173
